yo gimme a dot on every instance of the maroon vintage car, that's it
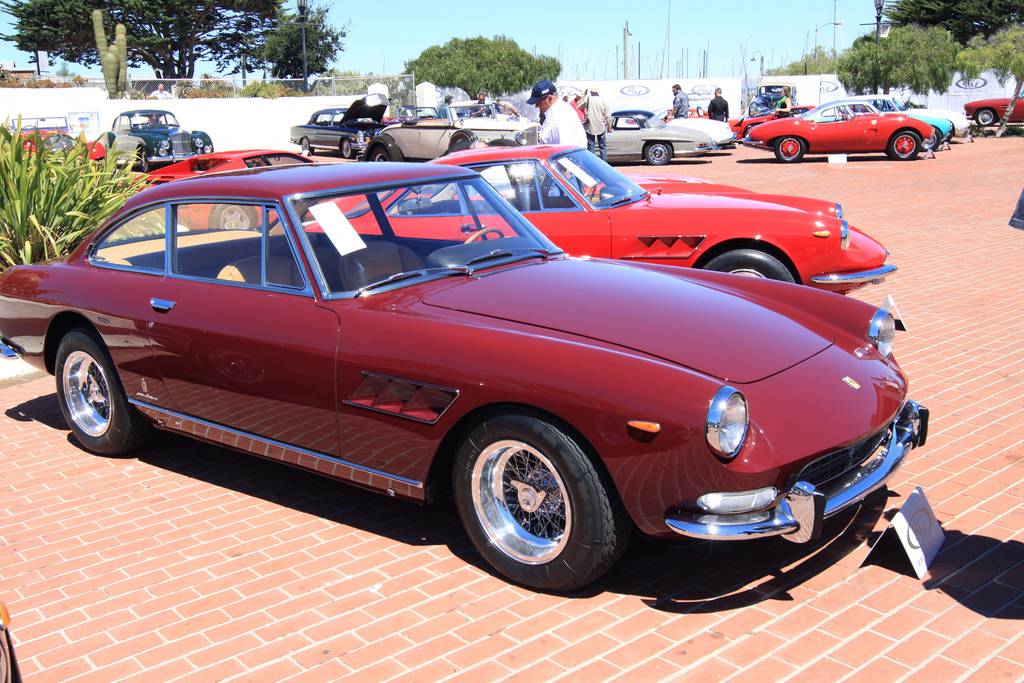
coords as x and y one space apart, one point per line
588 208
218 162
840 128
402 328
991 112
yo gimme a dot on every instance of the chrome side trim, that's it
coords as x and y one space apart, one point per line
327 465
876 276
797 516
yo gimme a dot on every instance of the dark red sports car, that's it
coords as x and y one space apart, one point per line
402 328
991 112
590 209
840 128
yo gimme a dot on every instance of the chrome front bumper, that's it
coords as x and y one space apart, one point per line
875 277
802 511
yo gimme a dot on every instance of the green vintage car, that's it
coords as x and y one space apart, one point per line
153 136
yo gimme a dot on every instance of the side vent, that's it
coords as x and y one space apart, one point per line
412 400
664 247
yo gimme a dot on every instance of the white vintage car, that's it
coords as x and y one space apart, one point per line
422 139
718 131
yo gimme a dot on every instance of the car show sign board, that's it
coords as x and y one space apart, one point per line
918 530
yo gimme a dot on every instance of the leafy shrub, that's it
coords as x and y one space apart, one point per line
50 201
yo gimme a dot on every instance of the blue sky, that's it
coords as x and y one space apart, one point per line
588 36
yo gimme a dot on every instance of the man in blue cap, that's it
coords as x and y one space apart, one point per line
561 125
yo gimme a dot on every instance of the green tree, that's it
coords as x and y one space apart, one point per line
496 65
821 61
965 19
911 57
170 36
282 51
1003 54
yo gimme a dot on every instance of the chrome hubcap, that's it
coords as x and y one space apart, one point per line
87 394
521 502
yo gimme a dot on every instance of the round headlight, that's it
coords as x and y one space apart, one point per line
208 149
164 146
198 143
726 425
882 332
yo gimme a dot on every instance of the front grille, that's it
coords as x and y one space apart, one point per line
181 144
837 463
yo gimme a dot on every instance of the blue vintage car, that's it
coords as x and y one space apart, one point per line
153 136
346 129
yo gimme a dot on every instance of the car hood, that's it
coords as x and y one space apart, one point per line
708 322
361 110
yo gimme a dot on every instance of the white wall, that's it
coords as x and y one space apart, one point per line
234 123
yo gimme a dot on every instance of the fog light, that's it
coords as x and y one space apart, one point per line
741 501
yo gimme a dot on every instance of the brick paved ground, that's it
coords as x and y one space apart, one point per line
189 562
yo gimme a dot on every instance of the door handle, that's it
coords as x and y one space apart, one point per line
161 305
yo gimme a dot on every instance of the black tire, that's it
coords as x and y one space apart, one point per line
234 217
555 523
658 153
790 149
461 141
934 141
986 117
904 145
346 148
306 147
91 396
752 263
144 164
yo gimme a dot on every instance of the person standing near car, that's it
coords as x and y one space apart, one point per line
718 107
785 106
680 103
597 123
561 125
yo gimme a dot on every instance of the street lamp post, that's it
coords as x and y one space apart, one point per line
756 53
878 21
303 6
831 23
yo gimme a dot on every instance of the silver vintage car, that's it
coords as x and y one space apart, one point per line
639 135
425 138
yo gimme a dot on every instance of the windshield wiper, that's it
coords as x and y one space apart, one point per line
410 274
506 253
630 198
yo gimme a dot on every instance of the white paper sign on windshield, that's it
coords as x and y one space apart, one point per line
341 233
577 171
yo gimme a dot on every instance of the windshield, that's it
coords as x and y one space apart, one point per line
600 184
486 111
153 119
386 238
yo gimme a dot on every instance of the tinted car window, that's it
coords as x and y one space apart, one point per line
234 243
138 243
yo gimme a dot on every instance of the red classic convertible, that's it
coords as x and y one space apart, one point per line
400 327
742 125
834 128
991 112
218 162
588 208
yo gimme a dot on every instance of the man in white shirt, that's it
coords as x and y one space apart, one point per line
561 124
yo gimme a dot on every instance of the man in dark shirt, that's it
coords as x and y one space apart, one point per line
718 108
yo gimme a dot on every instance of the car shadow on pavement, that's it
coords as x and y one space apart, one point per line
985 574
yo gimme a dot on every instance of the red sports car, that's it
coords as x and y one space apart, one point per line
991 112
225 161
400 327
833 128
588 208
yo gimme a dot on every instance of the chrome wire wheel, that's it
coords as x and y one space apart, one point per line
87 393
521 502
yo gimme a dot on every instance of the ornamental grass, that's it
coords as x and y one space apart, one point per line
51 200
